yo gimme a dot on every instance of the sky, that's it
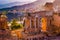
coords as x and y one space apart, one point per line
9 1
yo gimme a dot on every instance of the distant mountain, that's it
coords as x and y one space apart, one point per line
17 6
12 4
9 5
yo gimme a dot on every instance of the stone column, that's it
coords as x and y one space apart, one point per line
25 26
35 22
36 19
30 23
38 22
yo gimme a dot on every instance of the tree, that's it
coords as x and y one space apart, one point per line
15 25
4 12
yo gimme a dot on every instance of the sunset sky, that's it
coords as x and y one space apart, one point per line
10 3
29 1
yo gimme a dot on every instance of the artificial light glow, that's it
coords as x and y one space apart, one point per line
9 24
20 22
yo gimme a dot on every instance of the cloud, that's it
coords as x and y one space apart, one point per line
9 1
21 2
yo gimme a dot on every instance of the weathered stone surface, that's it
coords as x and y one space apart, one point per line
5 35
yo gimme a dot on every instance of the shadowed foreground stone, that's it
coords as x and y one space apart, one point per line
5 35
